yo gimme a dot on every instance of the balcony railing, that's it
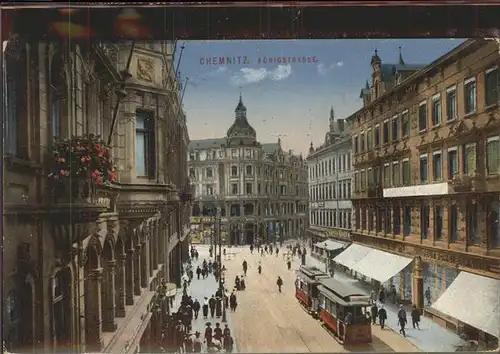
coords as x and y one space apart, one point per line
467 183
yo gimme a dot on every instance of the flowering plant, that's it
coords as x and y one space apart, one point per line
85 157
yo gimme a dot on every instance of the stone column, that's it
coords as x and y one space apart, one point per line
144 265
242 234
129 278
120 285
93 321
108 298
418 284
137 273
402 285
155 245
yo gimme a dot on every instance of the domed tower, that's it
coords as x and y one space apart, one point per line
241 132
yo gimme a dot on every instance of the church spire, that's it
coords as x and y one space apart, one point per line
332 113
367 85
401 61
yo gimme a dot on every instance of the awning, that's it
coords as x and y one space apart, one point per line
474 300
380 265
329 245
352 255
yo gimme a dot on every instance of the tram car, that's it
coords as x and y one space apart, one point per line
306 287
343 310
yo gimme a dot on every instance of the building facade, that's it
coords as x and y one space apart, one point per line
330 183
259 189
93 237
427 175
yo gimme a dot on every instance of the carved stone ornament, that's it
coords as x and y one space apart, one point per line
145 69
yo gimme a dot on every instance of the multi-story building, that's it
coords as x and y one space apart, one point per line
330 181
88 247
259 189
427 182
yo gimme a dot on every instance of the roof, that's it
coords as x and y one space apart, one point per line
389 70
270 148
341 288
213 143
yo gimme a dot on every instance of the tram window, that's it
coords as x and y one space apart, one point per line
314 292
340 312
322 301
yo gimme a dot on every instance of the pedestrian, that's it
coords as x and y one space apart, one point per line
211 304
415 317
265 248
374 313
382 316
197 343
198 272
279 282
208 334
402 320
251 249
196 254
243 286
224 252
218 306
392 291
196 308
227 331
228 343
373 296
233 302
277 251
245 267
205 308
226 299
262 252
217 332
381 295
289 264
259 268
428 296
237 283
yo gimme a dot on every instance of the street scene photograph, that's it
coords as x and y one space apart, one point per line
251 196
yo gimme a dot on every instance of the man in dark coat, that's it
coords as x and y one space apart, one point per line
197 343
245 267
374 313
198 272
227 331
402 320
218 307
217 332
228 344
415 317
196 308
205 308
279 282
382 316
232 301
208 334
211 303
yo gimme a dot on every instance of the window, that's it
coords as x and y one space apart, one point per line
436 109
377 135
234 153
209 173
234 171
248 188
234 188
369 140
493 155
192 173
422 116
396 220
469 159
362 148
405 124
348 163
363 180
470 95
192 156
438 222
423 168
355 146
210 189
386 131
249 170
406 172
424 221
452 162
395 128
491 86
453 223
387 175
471 223
376 174
437 166
221 154
395 174
248 153
348 190
145 156
451 103
388 221
407 220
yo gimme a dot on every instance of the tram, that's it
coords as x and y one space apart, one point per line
306 287
343 310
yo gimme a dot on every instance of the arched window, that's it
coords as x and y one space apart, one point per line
58 97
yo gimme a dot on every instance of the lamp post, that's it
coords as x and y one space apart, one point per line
219 262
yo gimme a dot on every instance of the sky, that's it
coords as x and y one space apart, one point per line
288 100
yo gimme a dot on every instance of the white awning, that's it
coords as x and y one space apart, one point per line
352 255
329 245
474 300
380 265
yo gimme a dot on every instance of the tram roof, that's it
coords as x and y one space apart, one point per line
340 288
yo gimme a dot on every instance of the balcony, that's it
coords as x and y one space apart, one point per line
375 191
465 184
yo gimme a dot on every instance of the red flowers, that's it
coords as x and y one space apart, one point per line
84 157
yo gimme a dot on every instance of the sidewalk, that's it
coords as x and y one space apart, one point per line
198 290
430 338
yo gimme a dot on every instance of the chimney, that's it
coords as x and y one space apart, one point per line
340 125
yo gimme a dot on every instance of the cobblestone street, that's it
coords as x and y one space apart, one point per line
269 321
